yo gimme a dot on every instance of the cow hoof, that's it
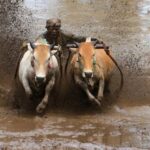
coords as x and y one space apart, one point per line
39 109
96 101
100 98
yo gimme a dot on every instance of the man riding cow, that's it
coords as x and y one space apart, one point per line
56 35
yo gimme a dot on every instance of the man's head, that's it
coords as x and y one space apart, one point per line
53 26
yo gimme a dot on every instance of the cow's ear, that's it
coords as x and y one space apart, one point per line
31 46
73 47
98 46
53 52
54 49
51 46
73 50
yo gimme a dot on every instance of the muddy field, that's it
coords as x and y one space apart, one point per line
123 123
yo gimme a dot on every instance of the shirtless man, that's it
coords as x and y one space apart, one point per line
55 34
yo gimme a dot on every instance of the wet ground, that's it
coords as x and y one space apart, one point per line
124 26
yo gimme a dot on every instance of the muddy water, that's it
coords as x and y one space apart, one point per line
124 26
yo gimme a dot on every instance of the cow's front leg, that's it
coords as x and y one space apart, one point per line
44 101
101 89
84 86
26 86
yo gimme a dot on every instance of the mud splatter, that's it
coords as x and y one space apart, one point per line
124 26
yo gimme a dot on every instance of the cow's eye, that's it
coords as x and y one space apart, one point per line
33 58
93 55
48 59
79 55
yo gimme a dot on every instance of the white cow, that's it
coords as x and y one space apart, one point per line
37 72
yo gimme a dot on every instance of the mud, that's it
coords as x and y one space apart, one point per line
123 123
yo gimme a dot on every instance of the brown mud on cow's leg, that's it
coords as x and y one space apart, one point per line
84 87
44 101
101 89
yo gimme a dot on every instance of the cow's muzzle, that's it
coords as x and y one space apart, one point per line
39 80
87 74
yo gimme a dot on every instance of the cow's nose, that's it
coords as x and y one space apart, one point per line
39 79
88 74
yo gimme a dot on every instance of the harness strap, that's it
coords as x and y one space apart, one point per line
94 62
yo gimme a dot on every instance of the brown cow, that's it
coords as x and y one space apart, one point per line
91 66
